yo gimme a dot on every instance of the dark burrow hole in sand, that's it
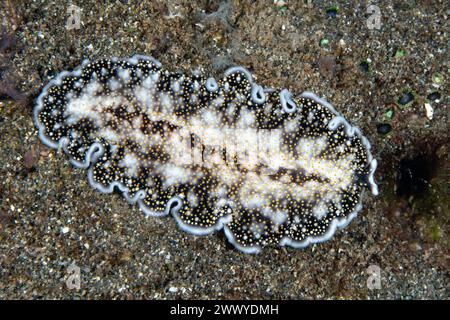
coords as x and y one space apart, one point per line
414 174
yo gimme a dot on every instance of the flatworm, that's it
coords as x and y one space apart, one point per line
266 167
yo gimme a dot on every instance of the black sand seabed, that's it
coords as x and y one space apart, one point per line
51 218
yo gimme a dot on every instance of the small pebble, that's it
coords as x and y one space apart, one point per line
173 289
332 12
31 157
434 96
384 128
364 66
282 5
328 66
406 98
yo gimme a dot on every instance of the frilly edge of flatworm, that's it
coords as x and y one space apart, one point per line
175 203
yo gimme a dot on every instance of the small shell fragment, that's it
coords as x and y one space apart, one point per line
429 111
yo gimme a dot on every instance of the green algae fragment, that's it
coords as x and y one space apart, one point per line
389 114
438 78
400 53
324 43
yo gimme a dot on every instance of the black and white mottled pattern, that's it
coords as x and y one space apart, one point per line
266 167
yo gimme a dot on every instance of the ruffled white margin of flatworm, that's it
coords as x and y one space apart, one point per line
175 203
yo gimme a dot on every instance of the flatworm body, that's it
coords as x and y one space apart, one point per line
266 167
